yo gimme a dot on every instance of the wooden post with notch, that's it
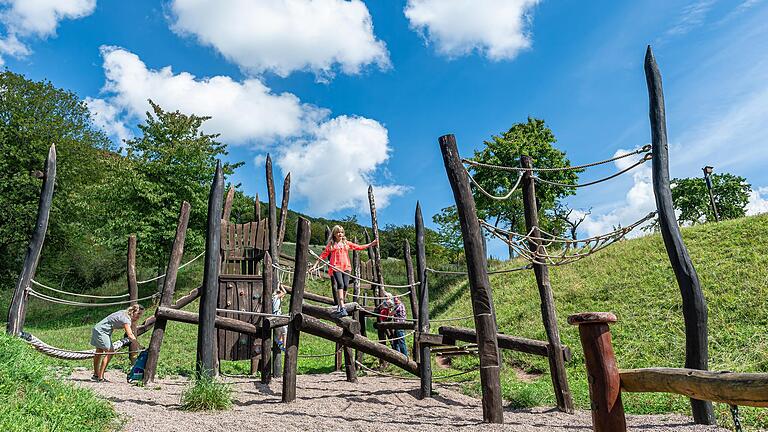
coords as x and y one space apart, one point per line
133 291
303 234
548 311
694 303
17 312
283 212
207 357
266 337
602 371
425 354
166 298
480 287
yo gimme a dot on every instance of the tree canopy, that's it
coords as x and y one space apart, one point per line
691 198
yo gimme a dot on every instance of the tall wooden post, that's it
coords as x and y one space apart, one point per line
206 359
283 212
425 351
694 304
266 338
377 248
548 312
356 315
480 287
166 298
274 251
257 210
133 290
602 371
303 234
17 312
412 296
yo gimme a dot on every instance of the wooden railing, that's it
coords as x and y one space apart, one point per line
606 381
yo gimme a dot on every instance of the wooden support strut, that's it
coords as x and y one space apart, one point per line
17 312
180 303
480 287
166 298
206 358
425 365
303 234
133 291
376 249
284 210
360 318
274 250
694 304
548 312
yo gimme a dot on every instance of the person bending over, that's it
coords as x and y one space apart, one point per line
101 337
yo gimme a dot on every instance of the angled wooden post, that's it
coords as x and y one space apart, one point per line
303 234
425 351
133 290
227 211
266 337
376 249
206 359
412 296
17 312
694 304
166 298
480 287
548 311
274 250
602 371
283 211
356 315
257 210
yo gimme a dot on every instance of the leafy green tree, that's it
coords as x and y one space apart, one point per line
172 161
691 197
449 232
532 138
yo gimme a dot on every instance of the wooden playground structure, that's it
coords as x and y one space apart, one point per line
243 266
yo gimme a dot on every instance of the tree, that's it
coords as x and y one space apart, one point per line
691 198
449 232
533 139
172 161
570 220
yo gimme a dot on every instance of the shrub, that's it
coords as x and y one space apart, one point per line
206 394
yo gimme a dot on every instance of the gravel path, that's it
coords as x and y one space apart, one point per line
328 403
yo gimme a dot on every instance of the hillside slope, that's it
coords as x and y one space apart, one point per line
634 280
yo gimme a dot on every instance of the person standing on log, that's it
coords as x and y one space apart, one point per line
338 250
101 337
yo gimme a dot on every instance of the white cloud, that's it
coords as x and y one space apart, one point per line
243 112
334 166
24 19
495 28
283 36
693 15
758 201
107 117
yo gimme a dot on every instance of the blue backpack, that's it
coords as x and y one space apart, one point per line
137 370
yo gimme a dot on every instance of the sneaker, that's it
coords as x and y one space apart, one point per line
94 378
104 380
281 346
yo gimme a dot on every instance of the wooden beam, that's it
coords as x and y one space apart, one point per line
316 327
514 343
412 296
274 250
425 365
303 234
376 249
548 312
480 287
206 358
694 304
223 323
166 298
227 211
266 301
180 303
392 325
17 312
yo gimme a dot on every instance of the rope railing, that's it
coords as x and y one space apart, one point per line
319 355
359 278
76 294
488 194
395 338
472 162
384 297
645 158
490 272
55 300
180 267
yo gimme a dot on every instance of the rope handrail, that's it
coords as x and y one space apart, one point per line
395 338
644 149
645 158
319 355
359 278
70 354
385 374
50 299
76 294
384 297
164 274
488 194
389 316
490 272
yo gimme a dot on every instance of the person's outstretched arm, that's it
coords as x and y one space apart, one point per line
355 246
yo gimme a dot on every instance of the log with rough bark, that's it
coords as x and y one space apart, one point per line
425 366
303 233
514 343
180 303
266 301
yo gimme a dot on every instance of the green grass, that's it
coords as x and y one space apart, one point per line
32 398
634 280
206 394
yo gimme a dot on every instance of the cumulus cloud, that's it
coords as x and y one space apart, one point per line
758 201
26 19
283 36
495 28
334 166
332 161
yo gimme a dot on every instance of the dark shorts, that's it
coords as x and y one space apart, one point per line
339 281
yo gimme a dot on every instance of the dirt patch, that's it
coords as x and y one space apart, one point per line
329 403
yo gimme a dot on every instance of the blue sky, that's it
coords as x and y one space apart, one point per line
343 93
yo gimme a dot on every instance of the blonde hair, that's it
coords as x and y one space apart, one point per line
134 310
335 230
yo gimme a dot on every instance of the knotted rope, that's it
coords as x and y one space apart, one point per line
68 354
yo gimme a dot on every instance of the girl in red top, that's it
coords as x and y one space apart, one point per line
338 250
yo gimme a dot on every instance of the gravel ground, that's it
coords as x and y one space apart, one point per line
328 403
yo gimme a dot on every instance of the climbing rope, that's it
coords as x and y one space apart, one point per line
645 158
643 149
361 279
180 267
68 354
55 300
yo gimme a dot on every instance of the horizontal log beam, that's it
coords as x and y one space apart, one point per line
514 343
220 323
319 312
745 389
433 339
316 327
275 322
180 303
391 325
314 297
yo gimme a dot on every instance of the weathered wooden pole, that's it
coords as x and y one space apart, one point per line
17 312
227 211
274 250
283 211
602 371
266 338
303 234
480 287
694 304
206 359
356 315
376 249
425 351
548 311
412 295
166 298
257 210
133 290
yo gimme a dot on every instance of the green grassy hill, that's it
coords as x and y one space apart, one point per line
634 280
